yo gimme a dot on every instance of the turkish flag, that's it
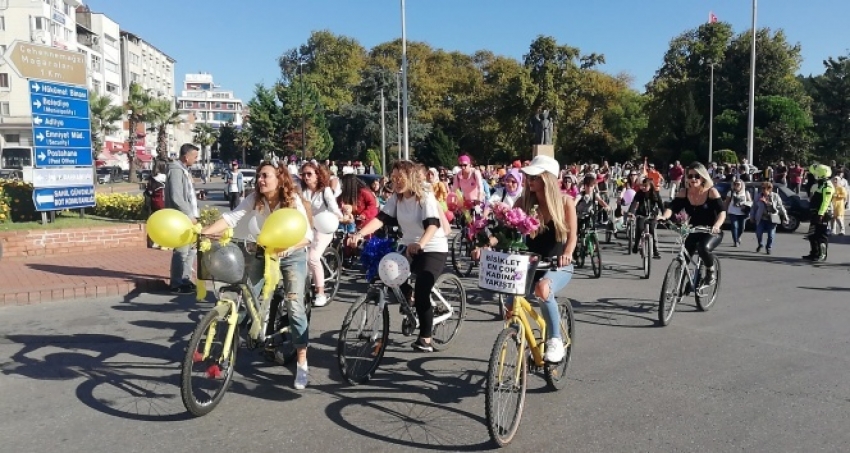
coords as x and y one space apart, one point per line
712 18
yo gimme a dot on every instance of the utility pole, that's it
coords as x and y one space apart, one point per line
383 136
404 81
398 109
303 124
752 114
711 117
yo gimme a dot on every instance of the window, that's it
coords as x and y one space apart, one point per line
217 106
2 47
95 63
40 23
111 66
135 78
68 10
4 80
12 138
134 58
4 109
2 23
202 105
112 88
110 41
95 86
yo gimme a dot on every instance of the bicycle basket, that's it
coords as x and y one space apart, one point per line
508 273
225 264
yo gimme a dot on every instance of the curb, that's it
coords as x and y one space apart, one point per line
83 292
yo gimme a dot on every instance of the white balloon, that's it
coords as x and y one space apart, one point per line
326 222
394 269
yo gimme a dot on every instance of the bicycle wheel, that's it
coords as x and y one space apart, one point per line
580 252
645 250
707 295
461 261
507 379
595 257
671 291
332 266
556 373
449 288
205 378
363 339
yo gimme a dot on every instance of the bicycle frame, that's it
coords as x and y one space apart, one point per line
522 312
384 294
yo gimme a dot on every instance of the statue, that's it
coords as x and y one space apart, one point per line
542 125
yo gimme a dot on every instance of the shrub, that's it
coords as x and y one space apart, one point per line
687 157
725 156
5 207
120 206
17 197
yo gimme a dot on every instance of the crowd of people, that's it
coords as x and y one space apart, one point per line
422 202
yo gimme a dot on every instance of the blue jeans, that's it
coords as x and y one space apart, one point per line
182 262
766 226
558 278
739 222
293 269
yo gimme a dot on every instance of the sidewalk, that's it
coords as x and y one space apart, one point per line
114 272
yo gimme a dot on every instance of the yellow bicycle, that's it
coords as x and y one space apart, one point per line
518 344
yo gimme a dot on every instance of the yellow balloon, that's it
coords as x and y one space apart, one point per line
171 228
283 229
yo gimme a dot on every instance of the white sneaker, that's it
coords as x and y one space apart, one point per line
554 350
301 376
320 301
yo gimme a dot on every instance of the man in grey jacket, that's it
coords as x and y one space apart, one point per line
180 195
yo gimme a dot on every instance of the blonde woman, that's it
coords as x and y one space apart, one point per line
275 190
704 207
839 201
418 215
556 238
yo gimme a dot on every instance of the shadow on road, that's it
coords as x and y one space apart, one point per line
617 312
91 272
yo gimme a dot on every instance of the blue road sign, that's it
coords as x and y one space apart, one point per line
60 124
52 199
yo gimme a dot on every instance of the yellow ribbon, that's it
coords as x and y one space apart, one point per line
271 274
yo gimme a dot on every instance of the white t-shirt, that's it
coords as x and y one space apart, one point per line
410 214
233 186
322 201
248 222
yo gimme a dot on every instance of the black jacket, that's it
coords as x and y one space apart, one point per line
646 203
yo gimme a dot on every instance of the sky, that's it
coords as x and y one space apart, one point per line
238 42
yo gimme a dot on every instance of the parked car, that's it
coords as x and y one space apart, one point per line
12 175
104 175
248 176
796 207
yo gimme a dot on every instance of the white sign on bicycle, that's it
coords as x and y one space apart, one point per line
503 272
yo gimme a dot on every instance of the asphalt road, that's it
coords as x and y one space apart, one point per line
765 370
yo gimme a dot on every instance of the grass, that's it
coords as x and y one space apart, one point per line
63 220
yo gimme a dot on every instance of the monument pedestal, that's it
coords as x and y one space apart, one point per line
543 150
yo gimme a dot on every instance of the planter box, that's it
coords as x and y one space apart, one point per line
29 243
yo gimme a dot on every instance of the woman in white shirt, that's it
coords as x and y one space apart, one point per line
275 189
417 213
318 194
511 189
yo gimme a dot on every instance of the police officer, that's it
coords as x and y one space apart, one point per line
820 204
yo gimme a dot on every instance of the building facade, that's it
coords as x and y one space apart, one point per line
43 22
207 103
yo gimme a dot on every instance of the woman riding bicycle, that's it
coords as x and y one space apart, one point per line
704 207
555 238
646 205
589 198
274 189
417 214
315 183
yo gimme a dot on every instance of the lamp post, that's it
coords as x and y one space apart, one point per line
383 135
398 109
711 116
303 123
752 110
404 80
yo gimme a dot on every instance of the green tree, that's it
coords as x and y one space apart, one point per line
244 141
162 115
439 151
104 116
831 108
266 121
228 150
138 107
205 136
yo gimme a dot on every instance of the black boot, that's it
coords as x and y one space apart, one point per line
710 276
821 253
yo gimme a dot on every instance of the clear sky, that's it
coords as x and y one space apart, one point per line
239 41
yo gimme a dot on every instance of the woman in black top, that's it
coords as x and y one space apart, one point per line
646 205
704 207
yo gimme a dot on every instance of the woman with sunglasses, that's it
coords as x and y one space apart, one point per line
738 205
511 191
469 181
275 189
315 186
569 186
704 207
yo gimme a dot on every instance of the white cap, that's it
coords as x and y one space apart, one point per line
542 164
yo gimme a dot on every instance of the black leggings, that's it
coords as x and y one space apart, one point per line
640 221
426 266
704 244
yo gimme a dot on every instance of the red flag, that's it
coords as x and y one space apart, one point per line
712 18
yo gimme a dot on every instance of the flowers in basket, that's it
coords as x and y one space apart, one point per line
508 225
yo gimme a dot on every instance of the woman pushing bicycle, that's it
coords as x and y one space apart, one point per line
704 207
275 189
556 238
418 214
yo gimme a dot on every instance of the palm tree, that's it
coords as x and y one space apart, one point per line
138 108
206 136
162 116
103 116
244 140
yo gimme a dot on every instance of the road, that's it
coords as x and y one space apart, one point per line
765 370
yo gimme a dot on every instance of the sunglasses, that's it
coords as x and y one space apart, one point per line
464 165
305 174
694 176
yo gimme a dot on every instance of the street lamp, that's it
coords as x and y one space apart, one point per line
711 115
404 80
752 113
398 109
303 123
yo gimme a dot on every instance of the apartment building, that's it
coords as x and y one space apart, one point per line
43 22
